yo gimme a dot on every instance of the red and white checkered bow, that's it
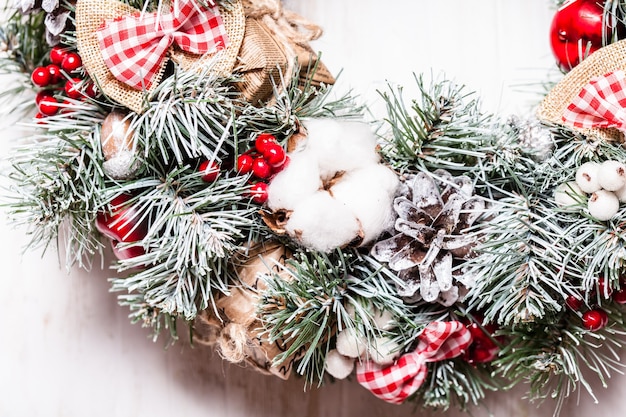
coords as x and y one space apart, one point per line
600 104
394 383
134 46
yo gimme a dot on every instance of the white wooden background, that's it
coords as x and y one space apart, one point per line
67 349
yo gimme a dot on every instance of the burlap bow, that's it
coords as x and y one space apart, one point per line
91 15
395 383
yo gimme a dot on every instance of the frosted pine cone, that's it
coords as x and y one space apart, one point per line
431 242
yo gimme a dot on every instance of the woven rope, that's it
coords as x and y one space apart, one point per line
91 14
601 62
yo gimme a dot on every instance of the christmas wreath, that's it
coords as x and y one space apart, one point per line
436 255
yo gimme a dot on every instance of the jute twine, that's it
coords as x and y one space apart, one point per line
237 332
92 14
607 59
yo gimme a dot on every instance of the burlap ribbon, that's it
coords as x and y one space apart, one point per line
92 14
276 41
236 329
605 60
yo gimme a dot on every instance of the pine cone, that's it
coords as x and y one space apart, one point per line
432 242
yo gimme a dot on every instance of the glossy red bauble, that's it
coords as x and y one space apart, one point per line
258 192
483 347
576 31
263 140
122 223
57 54
244 164
210 170
595 319
48 106
260 168
71 62
40 77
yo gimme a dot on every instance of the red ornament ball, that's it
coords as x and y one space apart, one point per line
258 192
576 30
260 168
43 94
263 140
122 224
57 54
71 62
595 319
244 164
210 170
40 77
48 106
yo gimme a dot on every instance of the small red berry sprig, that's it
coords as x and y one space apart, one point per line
485 346
596 318
59 79
263 162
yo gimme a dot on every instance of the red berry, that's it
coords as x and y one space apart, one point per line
574 302
481 352
260 168
278 168
55 73
263 140
71 90
258 192
604 288
57 54
210 170
43 94
244 163
595 319
274 154
71 62
40 77
619 296
91 90
49 106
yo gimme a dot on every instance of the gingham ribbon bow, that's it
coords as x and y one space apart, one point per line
134 46
394 383
600 104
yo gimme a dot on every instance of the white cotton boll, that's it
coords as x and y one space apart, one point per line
340 145
383 351
568 194
322 223
621 194
338 365
349 344
368 192
612 175
587 177
383 319
603 205
298 180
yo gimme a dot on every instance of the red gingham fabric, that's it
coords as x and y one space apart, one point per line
395 383
600 104
134 46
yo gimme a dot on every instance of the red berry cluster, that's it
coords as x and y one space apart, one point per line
596 318
484 347
59 79
264 161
